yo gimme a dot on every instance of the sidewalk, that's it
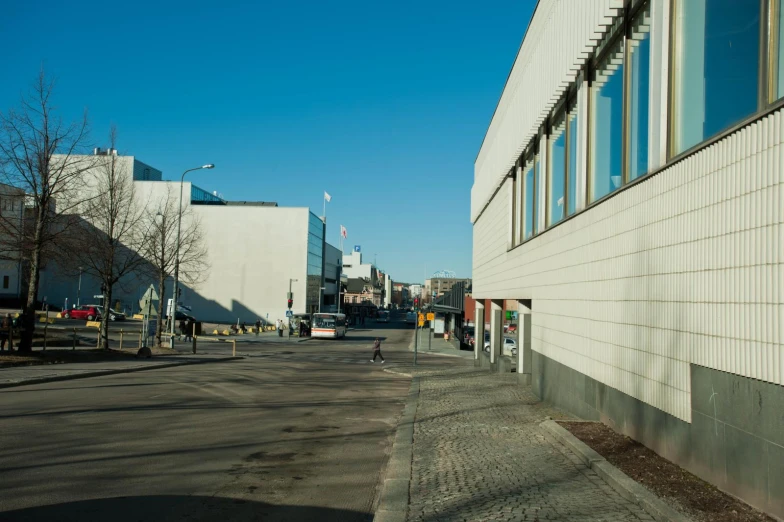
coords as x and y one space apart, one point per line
438 346
479 454
23 375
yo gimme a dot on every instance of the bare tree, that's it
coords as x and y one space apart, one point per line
108 243
41 156
160 247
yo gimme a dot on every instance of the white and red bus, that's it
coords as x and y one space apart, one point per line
329 326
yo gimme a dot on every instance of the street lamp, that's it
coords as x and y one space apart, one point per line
173 312
79 288
291 296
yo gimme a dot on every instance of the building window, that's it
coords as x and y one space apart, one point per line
5 282
776 64
715 67
572 140
515 204
537 183
638 98
607 122
528 208
556 180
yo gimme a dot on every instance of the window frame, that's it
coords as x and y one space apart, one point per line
561 110
767 105
616 32
764 80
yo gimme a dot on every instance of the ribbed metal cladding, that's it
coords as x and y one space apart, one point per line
683 268
559 39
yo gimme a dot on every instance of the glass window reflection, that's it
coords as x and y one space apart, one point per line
716 67
607 123
557 177
639 94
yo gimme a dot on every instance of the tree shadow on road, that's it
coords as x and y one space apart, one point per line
179 508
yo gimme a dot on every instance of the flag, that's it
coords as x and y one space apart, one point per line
327 197
343 232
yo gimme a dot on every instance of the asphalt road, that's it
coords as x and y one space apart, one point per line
295 431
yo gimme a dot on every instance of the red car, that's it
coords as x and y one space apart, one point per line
512 328
84 312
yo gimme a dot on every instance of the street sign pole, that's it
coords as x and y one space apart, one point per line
416 340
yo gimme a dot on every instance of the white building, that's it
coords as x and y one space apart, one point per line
256 252
628 193
355 269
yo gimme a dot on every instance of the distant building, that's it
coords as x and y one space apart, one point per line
442 285
360 290
256 251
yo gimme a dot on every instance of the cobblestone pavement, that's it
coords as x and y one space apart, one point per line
480 455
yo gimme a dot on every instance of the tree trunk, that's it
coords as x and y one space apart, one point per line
28 315
107 299
161 290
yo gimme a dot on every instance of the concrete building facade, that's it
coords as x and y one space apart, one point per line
256 252
635 213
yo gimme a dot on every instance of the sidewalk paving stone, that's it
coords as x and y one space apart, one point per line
479 454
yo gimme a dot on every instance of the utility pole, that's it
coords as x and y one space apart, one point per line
416 338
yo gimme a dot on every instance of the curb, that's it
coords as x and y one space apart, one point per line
393 501
617 479
102 373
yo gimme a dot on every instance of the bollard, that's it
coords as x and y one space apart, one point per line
233 348
140 340
194 343
74 338
121 338
45 337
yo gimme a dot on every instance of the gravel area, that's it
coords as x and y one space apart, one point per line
692 495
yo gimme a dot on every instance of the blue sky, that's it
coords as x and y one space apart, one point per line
382 105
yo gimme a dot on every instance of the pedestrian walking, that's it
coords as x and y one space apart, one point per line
258 327
183 329
279 325
188 330
377 351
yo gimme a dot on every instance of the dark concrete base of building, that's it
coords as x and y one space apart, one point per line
735 439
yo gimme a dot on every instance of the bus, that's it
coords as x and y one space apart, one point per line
329 326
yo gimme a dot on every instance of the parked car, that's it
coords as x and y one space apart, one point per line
83 312
181 316
411 318
510 346
114 315
512 328
383 317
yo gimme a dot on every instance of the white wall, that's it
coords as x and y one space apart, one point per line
252 252
685 267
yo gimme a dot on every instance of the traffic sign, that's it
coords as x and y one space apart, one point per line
289 313
431 316
151 294
421 318
421 322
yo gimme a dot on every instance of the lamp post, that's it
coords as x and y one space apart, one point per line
173 312
79 289
291 296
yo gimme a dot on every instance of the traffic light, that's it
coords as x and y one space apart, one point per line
416 301
291 303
